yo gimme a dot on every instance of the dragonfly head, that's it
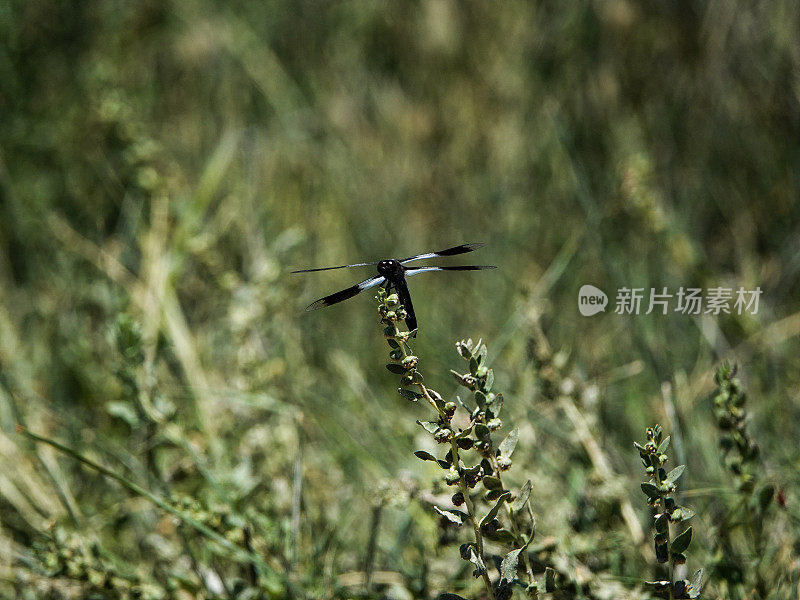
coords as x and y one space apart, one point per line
391 269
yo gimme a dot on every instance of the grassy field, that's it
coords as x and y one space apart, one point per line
173 425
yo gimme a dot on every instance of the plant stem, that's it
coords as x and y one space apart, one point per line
472 517
757 537
462 484
670 561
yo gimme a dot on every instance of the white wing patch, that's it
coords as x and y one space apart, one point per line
410 272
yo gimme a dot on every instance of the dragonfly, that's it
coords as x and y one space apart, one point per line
392 275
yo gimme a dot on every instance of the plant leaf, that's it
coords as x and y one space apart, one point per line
452 515
681 513
508 568
489 380
765 495
495 509
473 365
423 455
492 483
650 490
509 443
429 426
503 536
681 542
522 497
409 394
696 585
464 433
497 404
675 474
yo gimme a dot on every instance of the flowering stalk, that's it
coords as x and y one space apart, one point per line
475 438
741 457
659 490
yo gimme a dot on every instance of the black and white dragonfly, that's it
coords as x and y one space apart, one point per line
392 276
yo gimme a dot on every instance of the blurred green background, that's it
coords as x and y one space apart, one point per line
165 165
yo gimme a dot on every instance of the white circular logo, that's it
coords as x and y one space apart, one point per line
591 300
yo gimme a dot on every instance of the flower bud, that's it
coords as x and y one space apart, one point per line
443 435
409 362
452 476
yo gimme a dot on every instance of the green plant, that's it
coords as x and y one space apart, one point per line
488 460
741 457
659 490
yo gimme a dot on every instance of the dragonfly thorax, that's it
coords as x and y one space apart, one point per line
391 269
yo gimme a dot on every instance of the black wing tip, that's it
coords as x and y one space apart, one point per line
317 305
467 267
470 247
461 249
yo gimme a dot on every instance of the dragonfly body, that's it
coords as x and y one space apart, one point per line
392 276
395 275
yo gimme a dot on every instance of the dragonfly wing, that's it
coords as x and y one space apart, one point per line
340 267
462 249
413 271
346 293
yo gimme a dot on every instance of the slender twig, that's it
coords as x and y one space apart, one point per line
369 558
